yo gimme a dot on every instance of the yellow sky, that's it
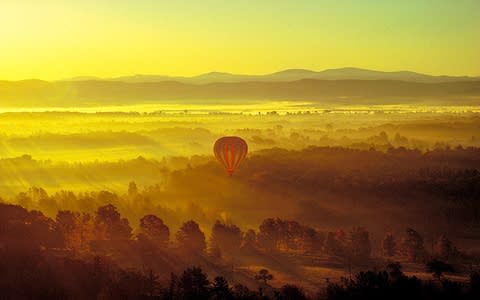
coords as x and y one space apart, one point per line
55 39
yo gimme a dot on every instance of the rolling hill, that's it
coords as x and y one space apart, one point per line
292 75
103 92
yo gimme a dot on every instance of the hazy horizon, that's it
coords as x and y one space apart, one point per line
226 72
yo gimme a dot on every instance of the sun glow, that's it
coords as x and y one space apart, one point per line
56 39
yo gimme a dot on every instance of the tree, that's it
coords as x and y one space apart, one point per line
268 234
227 238
331 244
111 225
360 243
132 189
66 223
172 290
412 245
278 234
127 285
221 290
151 283
438 267
336 243
395 270
306 239
444 248
400 140
193 284
154 230
389 245
21 229
264 275
318 239
75 228
190 237
249 242
291 292
242 292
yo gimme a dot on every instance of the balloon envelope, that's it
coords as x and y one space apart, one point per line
230 151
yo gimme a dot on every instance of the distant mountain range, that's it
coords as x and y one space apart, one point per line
344 86
37 93
290 75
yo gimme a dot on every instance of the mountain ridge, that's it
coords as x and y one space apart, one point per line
103 92
346 73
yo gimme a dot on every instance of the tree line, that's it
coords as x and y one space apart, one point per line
104 241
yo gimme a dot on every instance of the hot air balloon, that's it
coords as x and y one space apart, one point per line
230 151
